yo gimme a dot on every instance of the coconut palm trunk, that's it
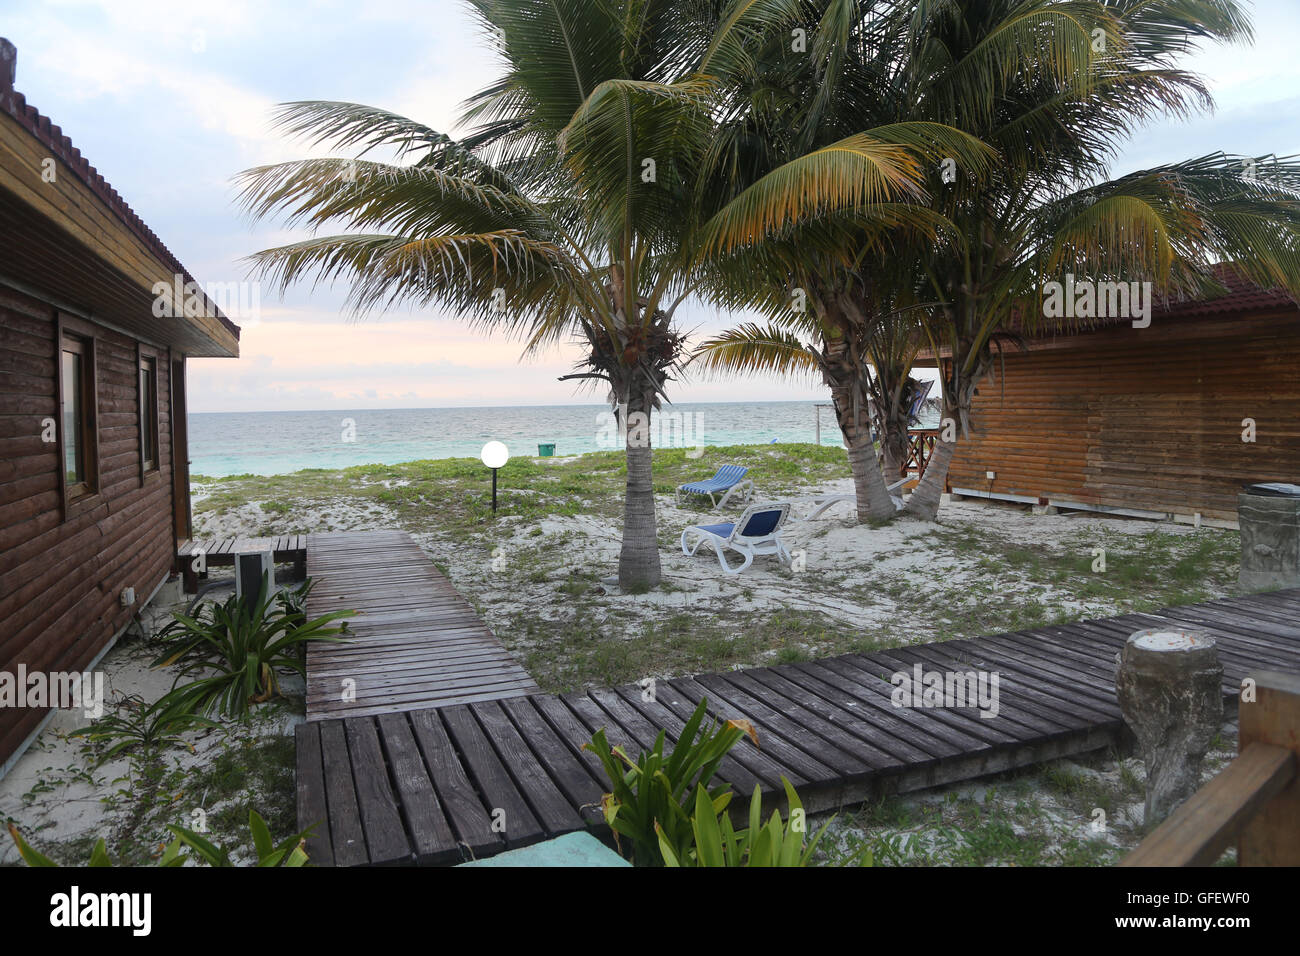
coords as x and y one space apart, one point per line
638 560
874 503
890 461
924 502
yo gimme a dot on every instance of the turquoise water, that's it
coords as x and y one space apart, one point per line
272 443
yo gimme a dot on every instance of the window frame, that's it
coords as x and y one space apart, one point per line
147 361
82 338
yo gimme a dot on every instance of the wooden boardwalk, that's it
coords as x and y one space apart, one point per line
415 641
426 786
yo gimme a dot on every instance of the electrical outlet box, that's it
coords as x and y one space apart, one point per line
128 597
991 475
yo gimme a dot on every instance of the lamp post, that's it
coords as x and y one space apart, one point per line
494 455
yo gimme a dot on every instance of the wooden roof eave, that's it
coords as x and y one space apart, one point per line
1208 328
61 238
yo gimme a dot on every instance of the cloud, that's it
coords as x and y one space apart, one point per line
170 100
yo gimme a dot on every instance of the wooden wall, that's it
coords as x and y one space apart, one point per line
61 577
1146 420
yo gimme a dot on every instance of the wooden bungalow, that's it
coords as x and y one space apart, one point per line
1167 421
94 481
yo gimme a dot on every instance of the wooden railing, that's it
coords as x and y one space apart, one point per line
920 446
1254 801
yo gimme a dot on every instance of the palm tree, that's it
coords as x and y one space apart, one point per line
578 205
838 293
1054 86
1048 210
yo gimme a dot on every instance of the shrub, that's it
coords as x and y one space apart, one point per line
146 727
665 810
650 795
189 845
248 649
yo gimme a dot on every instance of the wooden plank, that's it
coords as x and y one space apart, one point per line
506 805
1039 685
553 810
670 711
829 726
464 811
309 786
1201 829
1035 657
1271 837
430 834
415 642
731 770
844 711
346 834
386 841
801 711
1014 720
774 736
901 722
571 774
942 723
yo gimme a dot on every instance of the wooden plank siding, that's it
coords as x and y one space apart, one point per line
64 566
76 236
1149 422
75 257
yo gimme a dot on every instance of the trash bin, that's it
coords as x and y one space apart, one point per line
545 451
1269 517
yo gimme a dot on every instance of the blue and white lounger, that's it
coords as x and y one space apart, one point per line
757 531
729 479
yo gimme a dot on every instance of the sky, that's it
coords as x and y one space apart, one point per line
169 100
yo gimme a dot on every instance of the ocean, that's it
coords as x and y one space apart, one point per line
272 443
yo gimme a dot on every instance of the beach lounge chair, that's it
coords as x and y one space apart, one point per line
757 531
729 480
826 502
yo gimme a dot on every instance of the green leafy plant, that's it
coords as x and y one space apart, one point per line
288 853
147 727
650 797
248 649
189 845
293 601
718 843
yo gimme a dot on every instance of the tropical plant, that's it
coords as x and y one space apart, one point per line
717 843
582 203
839 293
289 852
292 602
143 726
248 648
1103 70
651 797
189 845
1055 87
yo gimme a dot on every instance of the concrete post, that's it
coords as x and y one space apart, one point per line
1169 685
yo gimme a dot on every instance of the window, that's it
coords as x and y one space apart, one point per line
149 414
77 415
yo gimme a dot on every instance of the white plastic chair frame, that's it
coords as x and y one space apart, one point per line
748 547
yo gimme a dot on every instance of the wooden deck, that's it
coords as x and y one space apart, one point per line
415 641
426 786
